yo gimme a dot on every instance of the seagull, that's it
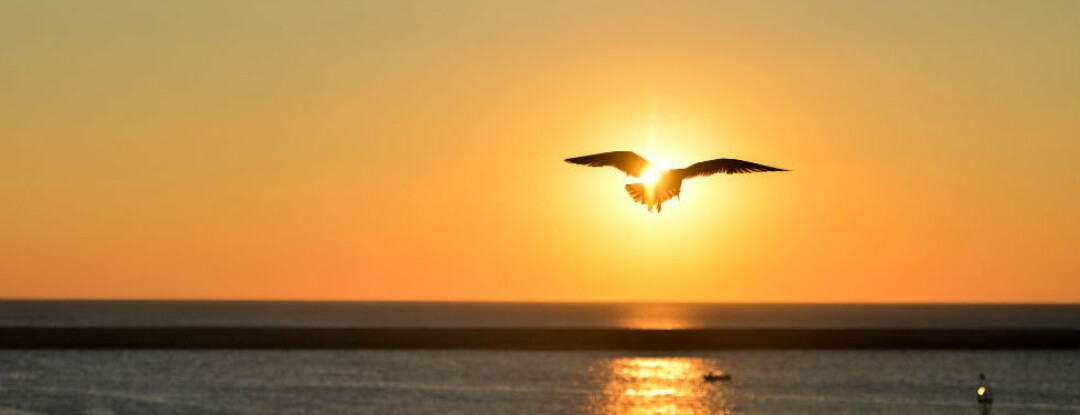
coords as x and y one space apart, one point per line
660 186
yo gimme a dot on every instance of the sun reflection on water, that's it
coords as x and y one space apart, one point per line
656 317
646 385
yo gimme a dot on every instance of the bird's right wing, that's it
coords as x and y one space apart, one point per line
630 163
726 166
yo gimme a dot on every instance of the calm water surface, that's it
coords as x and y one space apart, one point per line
486 382
492 382
551 315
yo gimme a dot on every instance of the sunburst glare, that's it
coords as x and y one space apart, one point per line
650 176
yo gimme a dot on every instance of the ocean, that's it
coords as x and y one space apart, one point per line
532 315
119 381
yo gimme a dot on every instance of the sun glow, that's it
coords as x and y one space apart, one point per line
650 176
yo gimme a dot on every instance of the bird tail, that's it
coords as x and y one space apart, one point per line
636 192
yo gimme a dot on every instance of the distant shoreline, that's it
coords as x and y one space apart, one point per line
529 338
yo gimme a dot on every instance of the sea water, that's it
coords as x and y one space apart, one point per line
494 382
504 382
526 315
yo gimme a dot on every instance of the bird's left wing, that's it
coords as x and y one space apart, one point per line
627 161
726 166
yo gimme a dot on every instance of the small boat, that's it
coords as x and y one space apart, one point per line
715 376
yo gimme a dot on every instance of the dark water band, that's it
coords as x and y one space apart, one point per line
529 338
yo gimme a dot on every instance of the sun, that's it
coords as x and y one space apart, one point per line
650 176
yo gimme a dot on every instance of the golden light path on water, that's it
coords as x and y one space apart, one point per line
658 316
658 385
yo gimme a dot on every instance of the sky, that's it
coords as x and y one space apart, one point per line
400 150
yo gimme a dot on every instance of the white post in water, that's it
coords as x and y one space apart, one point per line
983 395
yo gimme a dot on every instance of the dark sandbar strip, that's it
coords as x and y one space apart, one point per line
529 338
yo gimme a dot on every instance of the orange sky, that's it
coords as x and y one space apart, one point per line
413 150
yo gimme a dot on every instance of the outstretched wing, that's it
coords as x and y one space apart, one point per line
630 163
726 166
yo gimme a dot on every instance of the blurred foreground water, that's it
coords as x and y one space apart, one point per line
493 382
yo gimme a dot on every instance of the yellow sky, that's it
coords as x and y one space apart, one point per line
413 150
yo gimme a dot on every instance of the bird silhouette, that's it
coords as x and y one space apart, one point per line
667 183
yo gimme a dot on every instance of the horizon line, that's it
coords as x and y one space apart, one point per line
703 302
